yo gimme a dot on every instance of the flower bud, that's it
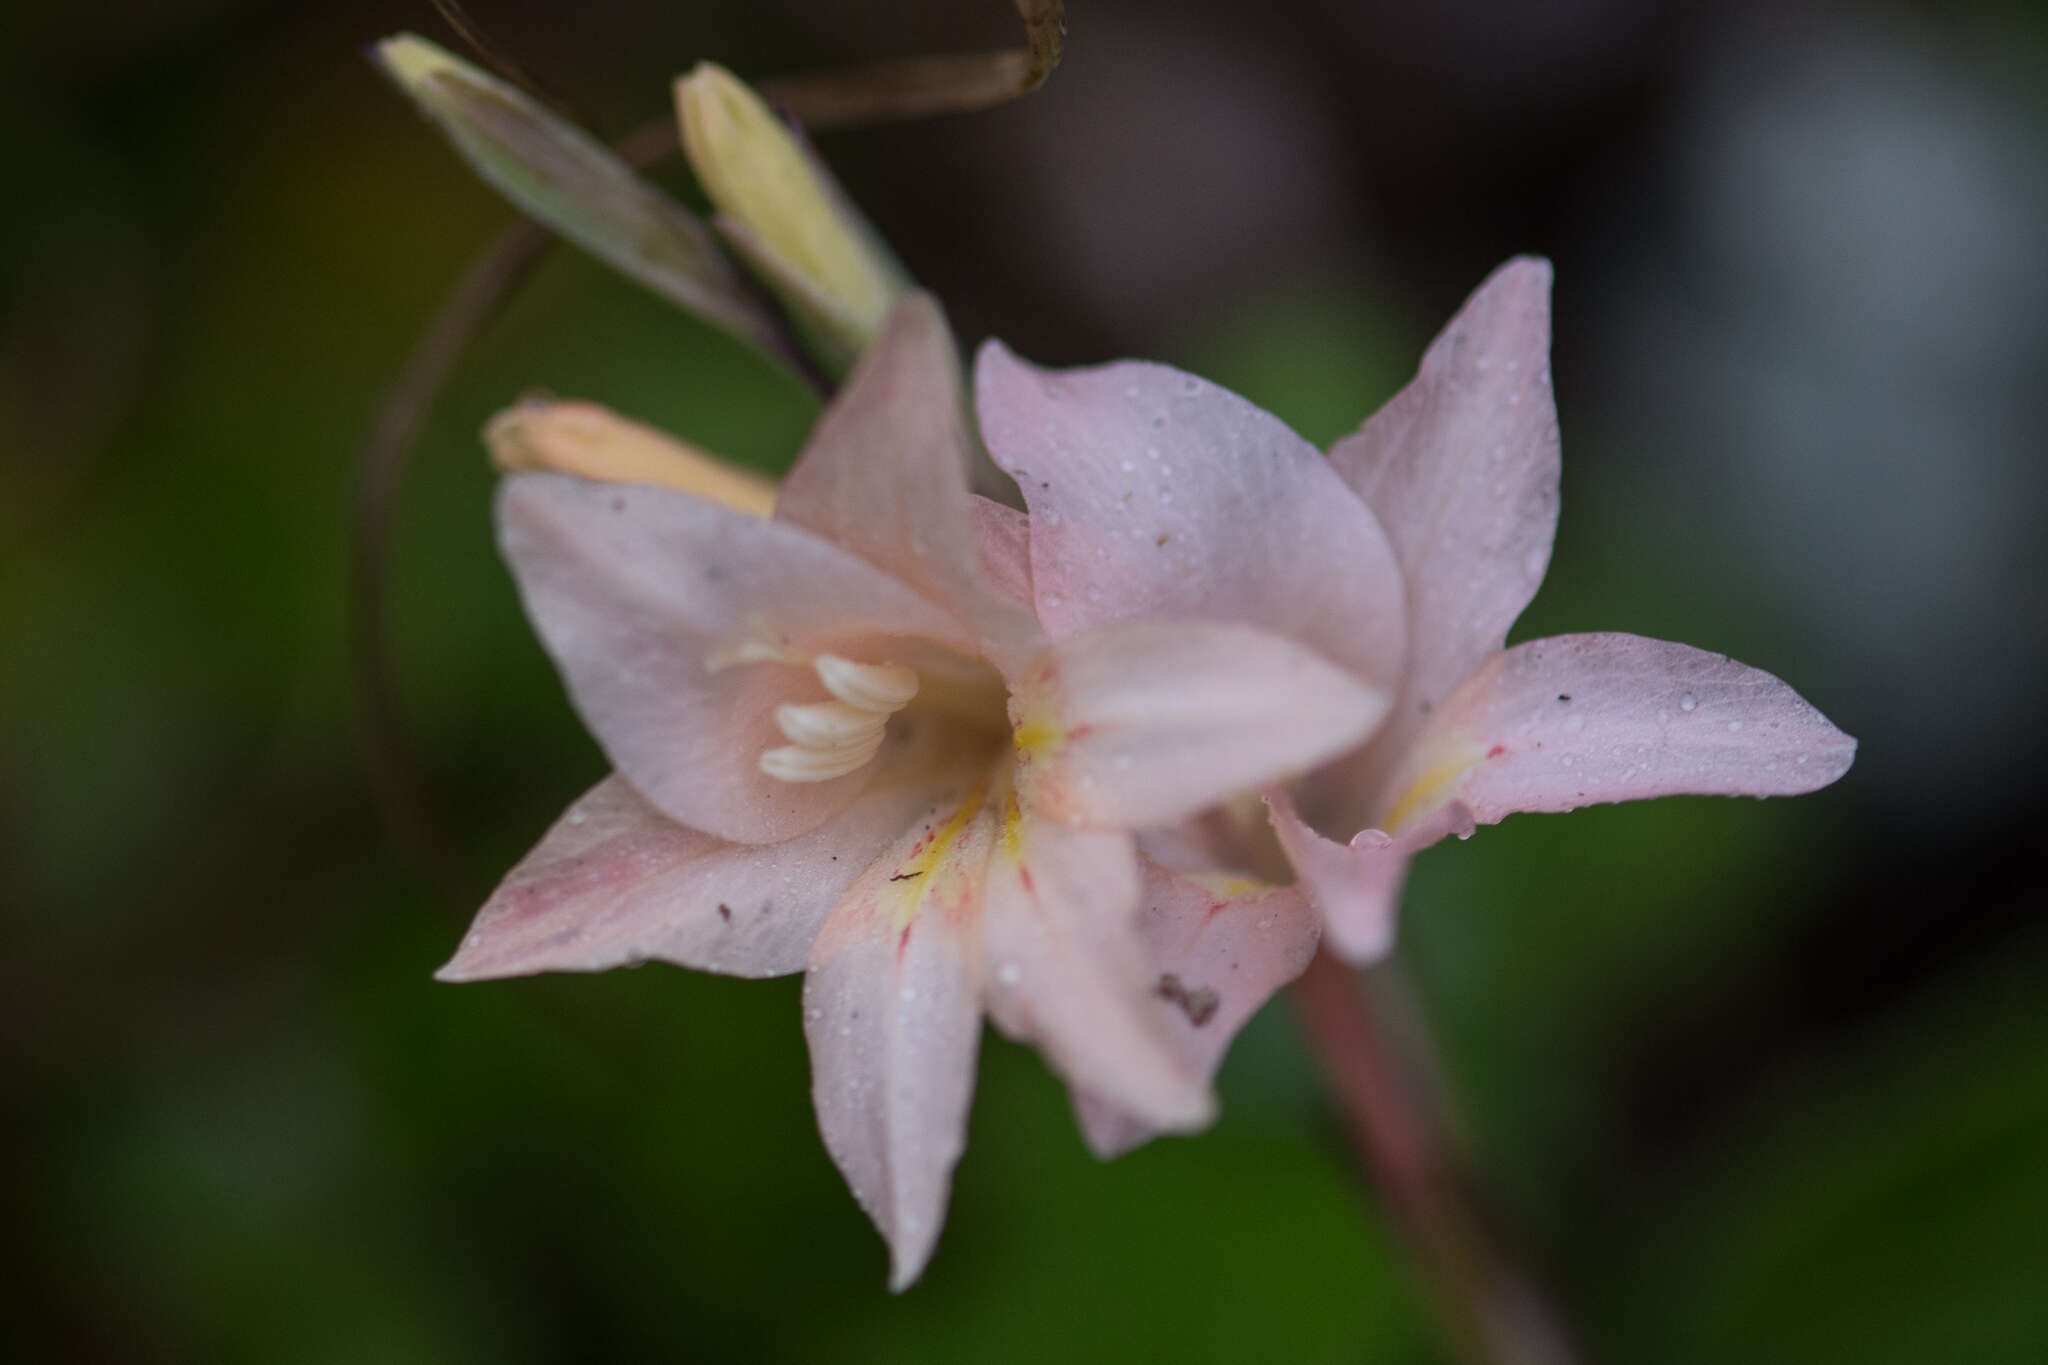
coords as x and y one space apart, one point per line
780 210
593 442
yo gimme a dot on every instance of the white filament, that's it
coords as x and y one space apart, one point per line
796 763
886 688
829 724
830 739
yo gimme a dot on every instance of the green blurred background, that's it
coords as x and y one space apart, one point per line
1761 1082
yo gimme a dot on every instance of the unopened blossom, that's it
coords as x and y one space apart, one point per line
1404 556
783 212
846 744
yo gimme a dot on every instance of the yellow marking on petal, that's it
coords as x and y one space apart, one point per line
1226 887
1038 733
934 867
1433 786
1013 834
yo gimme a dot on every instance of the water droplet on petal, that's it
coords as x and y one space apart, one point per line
1688 702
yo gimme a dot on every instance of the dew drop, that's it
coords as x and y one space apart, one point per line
1688 702
1009 974
1734 725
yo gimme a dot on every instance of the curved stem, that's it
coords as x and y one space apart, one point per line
1490 1305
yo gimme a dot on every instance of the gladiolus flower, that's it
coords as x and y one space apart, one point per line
1404 557
844 743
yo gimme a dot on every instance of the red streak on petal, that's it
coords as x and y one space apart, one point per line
1496 751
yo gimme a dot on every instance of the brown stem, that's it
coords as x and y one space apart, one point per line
1492 1308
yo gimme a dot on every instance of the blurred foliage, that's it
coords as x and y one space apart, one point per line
243 1125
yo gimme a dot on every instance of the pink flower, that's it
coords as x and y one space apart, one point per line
1403 558
846 743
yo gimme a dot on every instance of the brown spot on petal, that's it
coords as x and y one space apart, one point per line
724 911
1198 1003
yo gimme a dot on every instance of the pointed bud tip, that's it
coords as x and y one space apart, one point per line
410 60
780 210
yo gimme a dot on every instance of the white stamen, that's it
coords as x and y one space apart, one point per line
829 724
881 688
796 763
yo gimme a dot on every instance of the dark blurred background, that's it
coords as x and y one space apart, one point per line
1761 1082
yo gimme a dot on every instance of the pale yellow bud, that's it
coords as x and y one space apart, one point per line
593 442
777 207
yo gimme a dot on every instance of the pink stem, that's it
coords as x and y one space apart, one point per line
1487 1301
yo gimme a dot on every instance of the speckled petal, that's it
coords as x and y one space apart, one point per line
892 1011
1155 495
640 592
1555 724
1216 951
1066 970
615 882
1142 725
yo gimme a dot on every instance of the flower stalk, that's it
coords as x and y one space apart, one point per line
1490 1304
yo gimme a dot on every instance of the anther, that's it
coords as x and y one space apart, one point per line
830 739
883 688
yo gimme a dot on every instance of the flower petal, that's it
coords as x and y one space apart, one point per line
1154 494
615 882
1554 724
892 1010
885 475
1065 970
1146 724
1355 888
1217 951
641 595
1461 468
1002 540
